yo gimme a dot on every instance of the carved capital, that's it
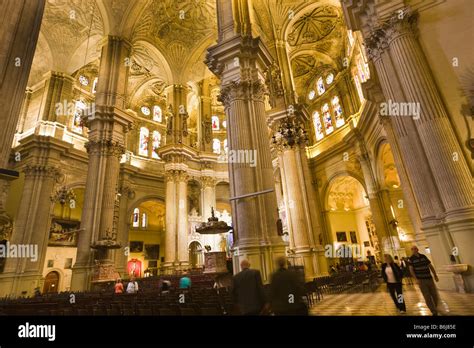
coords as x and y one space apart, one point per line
208 181
176 175
105 148
242 90
44 171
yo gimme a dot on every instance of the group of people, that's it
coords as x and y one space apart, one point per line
421 269
285 296
165 285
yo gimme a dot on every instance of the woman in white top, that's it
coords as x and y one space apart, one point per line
132 286
392 274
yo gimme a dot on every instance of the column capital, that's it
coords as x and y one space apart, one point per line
242 90
208 181
176 175
105 147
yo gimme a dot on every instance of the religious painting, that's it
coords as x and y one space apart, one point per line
63 233
136 246
152 251
353 237
134 268
341 236
215 123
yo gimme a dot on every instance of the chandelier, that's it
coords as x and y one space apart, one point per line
213 225
289 133
64 195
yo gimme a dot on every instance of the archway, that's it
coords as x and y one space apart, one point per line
196 255
51 283
146 238
350 223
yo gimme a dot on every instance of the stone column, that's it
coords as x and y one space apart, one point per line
240 63
444 193
208 194
58 90
182 219
107 129
19 30
121 257
171 216
31 231
204 118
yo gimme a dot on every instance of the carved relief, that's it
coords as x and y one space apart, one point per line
239 90
105 148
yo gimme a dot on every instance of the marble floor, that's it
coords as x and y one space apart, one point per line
379 303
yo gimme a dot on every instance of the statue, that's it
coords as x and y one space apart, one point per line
169 120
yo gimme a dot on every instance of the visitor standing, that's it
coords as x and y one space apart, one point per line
132 286
392 275
247 290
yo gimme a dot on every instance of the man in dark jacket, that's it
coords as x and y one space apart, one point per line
287 291
392 275
247 290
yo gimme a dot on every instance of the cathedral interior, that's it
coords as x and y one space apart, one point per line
306 128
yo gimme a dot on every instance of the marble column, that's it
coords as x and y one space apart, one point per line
240 63
208 194
428 145
121 257
19 30
31 231
182 219
171 218
107 129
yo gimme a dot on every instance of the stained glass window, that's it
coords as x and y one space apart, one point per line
318 127
144 220
336 106
136 218
77 121
327 119
94 85
157 113
156 144
145 110
329 79
215 122
83 80
225 146
320 86
144 134
311 94
216 146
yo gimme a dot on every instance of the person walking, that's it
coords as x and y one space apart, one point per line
286 291
421 269
392 275
247 290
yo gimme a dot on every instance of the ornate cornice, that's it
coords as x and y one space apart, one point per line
44 171
105 148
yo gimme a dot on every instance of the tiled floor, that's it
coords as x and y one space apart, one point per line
380 303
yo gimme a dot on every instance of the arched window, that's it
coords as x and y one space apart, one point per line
320 86
311 94
143 149
83 80
157 113
224 124
94 85
215 122
216 146
144 220
336 106
226 149
318 127
329 78
156 144
136 217
78 111
327 119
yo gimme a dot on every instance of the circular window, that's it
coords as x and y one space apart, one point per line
311 94
83 80
145 110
